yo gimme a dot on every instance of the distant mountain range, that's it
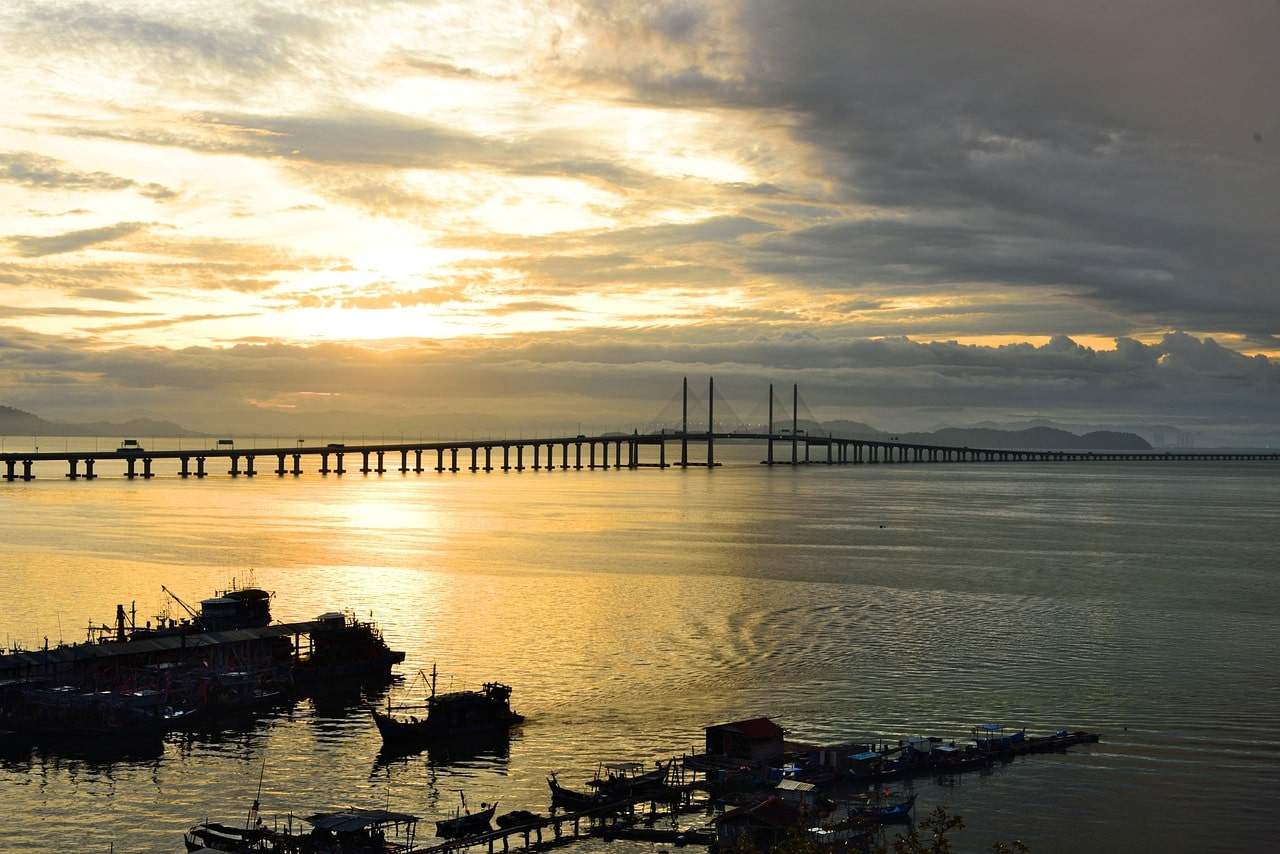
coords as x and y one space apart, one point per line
1031 438
18 422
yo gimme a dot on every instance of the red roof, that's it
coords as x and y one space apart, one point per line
753 728
772 811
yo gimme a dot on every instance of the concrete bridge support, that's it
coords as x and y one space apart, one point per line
577 460
381 469
338 469
280 469
324 463
88 469
72 469
453 459
488 458
537 451
364 462
184 470
146 468
506 458
26 470
200 472
297 465
129 467
474 455
234 471
439 459
404 462
248 466
417 461
519 457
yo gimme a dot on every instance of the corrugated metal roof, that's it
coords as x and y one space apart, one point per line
795 786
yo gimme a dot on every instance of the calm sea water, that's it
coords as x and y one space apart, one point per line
629 609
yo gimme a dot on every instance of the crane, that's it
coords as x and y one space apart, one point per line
184 605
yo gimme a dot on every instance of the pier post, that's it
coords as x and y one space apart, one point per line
297 465
72 465
248 466
234 471
381 469
324 463
338 469
519 457
506 458
591 455
404 461
88 468
146 468
453 459
26 470
439 459
474 452
200 472
604 455
551 454
537 449
8 470
129 468
185 471
617 456
280 469
577 463
417 460
364 465
488 451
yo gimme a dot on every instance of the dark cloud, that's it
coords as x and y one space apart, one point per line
45 173
37 247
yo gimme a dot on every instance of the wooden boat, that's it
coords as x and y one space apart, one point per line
884 813
466 823
568 799
517 818
454 715
621 780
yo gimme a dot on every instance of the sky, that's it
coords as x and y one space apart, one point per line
491 215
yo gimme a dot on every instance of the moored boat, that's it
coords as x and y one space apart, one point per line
452 715
466 823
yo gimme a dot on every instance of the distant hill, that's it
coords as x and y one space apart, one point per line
18 422
1033 438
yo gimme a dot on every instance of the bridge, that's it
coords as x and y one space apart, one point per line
616 451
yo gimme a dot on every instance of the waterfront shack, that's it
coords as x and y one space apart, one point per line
755 740
761 824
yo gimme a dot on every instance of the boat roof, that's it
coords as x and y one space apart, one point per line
795 786
865 755
351 820
624 766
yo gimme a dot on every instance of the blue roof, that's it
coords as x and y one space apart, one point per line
989 727
863 757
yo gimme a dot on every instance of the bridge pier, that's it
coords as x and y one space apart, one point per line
248 466
439 459
617 456
417 461
88 468
577 460
200 472
297 465
129 465
280 470
381 469
474 454
519 457
591 455
234 471
453 464
488 455
364 464
404 461
537 450
338 469
26 470
146 468
8 470
662 452
72 466
184 471
506 458
324 463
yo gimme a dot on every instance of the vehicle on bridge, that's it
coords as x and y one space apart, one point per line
130 446
226 443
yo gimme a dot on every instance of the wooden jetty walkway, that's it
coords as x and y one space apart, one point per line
616 451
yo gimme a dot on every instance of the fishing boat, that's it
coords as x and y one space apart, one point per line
621 780
452 715
351 831
517 818
881 813
466 823
568 799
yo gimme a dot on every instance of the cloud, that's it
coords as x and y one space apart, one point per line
71 241
45 173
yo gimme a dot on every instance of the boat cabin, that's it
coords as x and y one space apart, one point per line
360 830
754 739
249 608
